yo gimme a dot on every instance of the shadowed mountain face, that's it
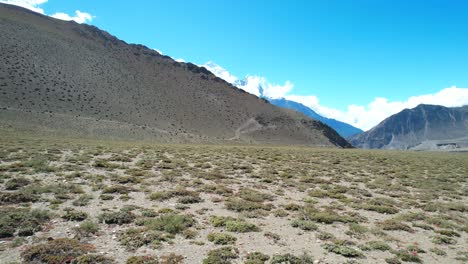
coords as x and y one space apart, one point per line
64 78
420 128
345 130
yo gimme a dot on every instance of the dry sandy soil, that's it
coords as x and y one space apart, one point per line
110 202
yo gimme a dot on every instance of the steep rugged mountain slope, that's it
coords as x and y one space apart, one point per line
423 127
61 77
345 130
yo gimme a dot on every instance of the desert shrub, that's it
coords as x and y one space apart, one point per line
375 245
57 251
121 189
93 259
106 197
444 240
24 221
327 216
172 259
233 225
356 230
72 215
221 238
16 183
407 256
256 258
7 198
82 200
325 236
134 238
254 196
304 225
160 196
392 225
448 232
290 258
438 251
222 255
170 223
343 250
86 229
120 217
240 205
148 259
189 199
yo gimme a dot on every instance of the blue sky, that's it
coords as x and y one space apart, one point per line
336 53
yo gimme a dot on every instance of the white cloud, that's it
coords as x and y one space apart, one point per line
80 17
219 72
34 5
275 91
366 117
29 4
251 84
158 51
180 60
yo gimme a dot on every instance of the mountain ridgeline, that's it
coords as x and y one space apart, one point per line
345 130
425 127
60 77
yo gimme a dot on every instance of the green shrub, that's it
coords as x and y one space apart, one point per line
256 258
93 259
62 250
444 240
82 200
221 238
170 223
120 217
86 229
16 183
392 225
142 260
222 255
72 215
240 205
233 225
438 251
7 198
343 250
121 189
290 258
304 225
23 220
407 256
375 245
134 238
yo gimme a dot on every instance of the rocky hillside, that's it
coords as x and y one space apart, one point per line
420 128
61 77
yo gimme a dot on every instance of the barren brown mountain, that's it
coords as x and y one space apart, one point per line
65 78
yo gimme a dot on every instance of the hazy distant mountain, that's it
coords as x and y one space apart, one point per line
65 78
423 127
344 129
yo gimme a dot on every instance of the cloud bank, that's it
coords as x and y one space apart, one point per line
362 116
34 5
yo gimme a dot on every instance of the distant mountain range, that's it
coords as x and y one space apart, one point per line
425 127
61 77
345 130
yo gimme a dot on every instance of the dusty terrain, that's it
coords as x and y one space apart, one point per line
109 201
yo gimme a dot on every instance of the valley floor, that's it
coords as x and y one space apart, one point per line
138 202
